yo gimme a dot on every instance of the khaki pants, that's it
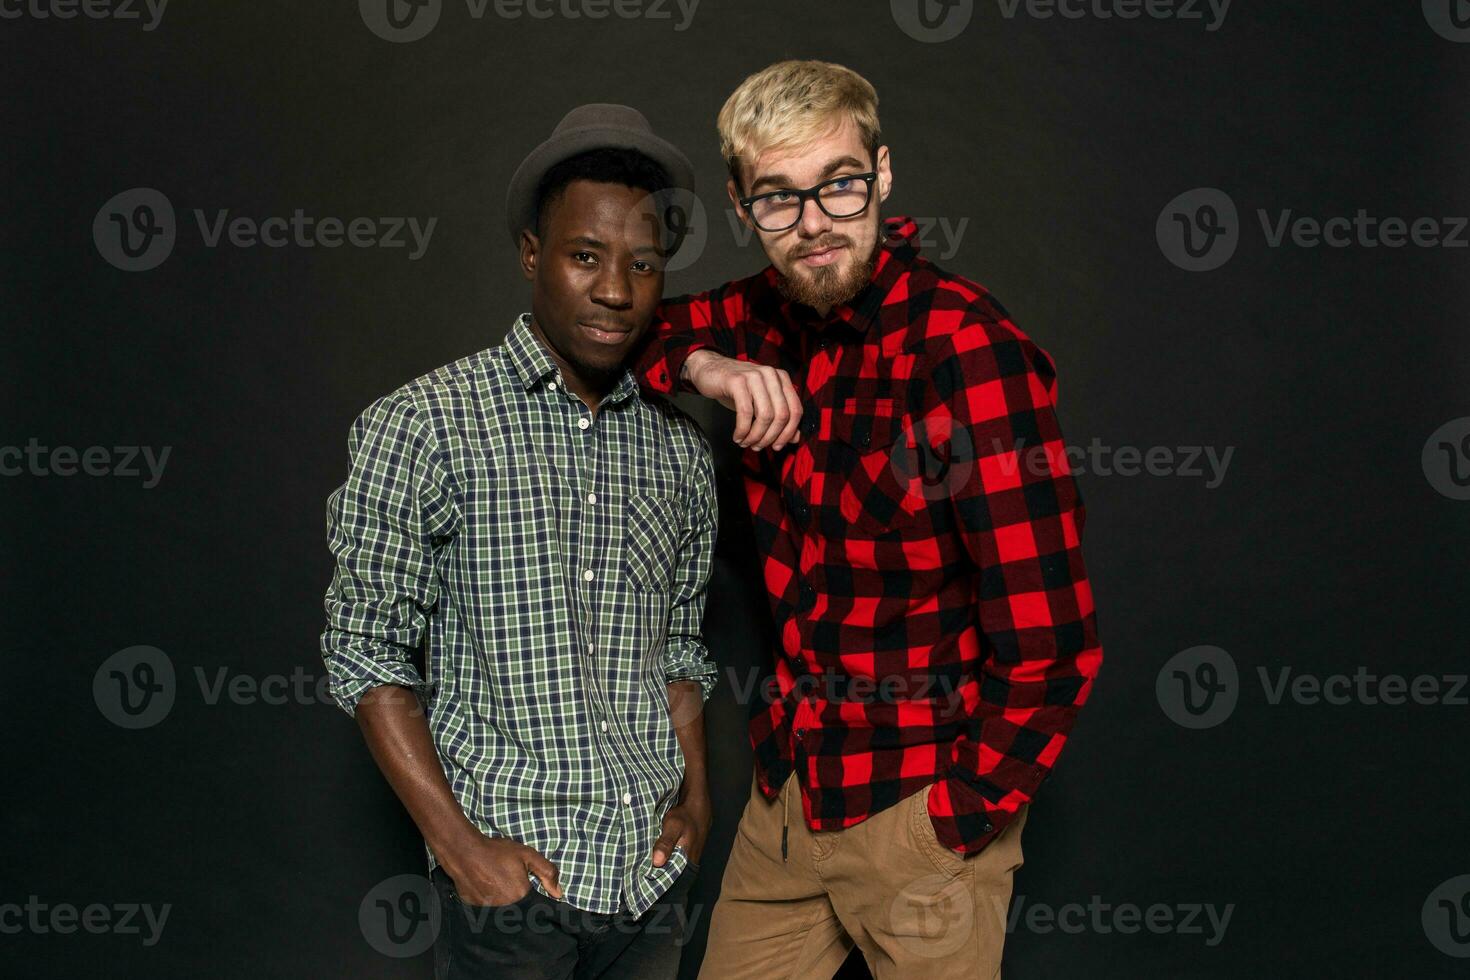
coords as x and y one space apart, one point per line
914 907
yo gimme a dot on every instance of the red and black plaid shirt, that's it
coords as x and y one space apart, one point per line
920 544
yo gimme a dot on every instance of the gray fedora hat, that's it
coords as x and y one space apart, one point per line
595 126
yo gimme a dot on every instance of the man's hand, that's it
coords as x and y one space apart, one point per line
763 398
492 870
685 825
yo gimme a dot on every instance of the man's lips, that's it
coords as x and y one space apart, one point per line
821 256
605 333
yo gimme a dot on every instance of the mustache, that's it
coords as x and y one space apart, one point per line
820 245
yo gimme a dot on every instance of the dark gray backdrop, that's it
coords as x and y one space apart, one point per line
1334 544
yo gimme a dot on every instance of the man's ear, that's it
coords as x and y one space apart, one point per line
884 166
530 248
734 192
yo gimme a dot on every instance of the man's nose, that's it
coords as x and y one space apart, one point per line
814 221
613 289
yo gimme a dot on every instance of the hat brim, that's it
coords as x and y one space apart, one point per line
520 196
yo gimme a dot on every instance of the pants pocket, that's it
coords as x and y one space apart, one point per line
944 860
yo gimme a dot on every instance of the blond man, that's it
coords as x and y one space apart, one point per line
919 534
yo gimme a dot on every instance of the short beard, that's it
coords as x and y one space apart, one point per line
825 287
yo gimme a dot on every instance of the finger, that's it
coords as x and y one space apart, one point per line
761 401
538 865
779 409
666 842
744 409
793 405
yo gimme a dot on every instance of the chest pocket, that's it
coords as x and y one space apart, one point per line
652 541
871 471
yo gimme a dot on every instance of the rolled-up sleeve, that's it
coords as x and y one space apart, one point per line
686 658
384 525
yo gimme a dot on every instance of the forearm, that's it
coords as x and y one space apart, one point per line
686 709
681 326
397 733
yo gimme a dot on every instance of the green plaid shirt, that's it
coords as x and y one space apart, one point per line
552 565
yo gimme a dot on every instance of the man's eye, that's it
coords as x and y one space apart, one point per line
642 266
583 256
842 184
781 197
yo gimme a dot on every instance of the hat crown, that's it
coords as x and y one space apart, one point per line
598 125
602 115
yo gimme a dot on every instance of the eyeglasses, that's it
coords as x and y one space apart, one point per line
840 197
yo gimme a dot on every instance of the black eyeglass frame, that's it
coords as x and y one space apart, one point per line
811 193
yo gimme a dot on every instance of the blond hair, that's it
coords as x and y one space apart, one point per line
791 103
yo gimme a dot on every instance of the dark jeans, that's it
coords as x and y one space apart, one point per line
538 938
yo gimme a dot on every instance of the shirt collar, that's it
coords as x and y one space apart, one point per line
533 363
897 252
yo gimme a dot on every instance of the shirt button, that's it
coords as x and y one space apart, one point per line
583 423
592 498
604 726
627 799
587 577
551 385
591 647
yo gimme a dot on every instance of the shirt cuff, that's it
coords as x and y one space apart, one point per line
705 674
667 376
348 686
963 819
